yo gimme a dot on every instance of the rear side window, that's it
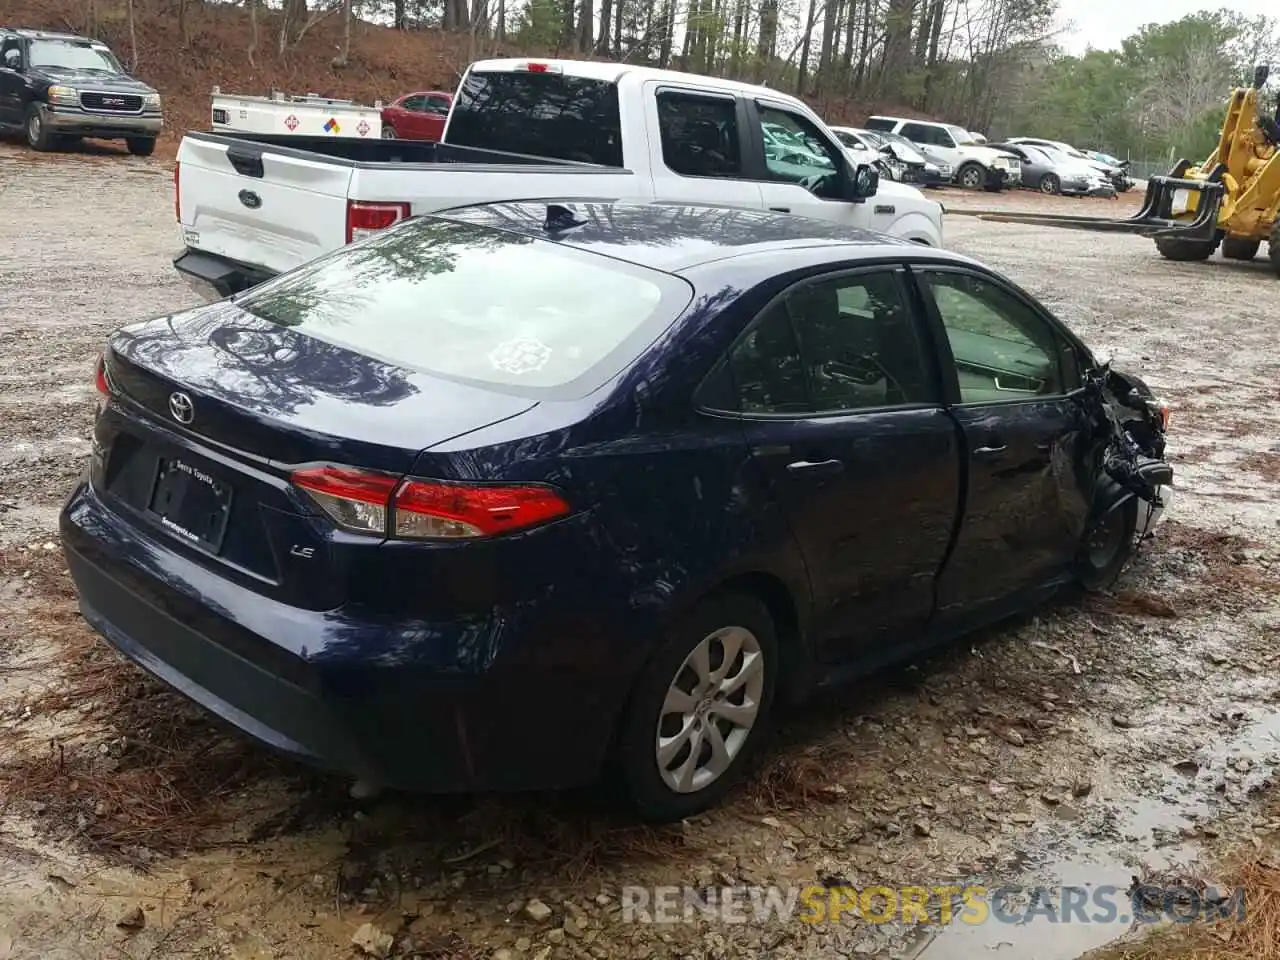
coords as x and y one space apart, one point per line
476 304
699 135
540 114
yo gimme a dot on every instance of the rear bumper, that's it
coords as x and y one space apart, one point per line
329 688
214 277
106 126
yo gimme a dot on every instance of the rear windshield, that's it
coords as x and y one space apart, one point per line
541 114
470 303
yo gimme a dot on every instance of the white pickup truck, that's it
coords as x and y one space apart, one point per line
254 205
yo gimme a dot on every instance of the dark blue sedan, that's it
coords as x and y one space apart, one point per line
504 497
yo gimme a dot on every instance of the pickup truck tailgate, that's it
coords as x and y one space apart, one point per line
260 205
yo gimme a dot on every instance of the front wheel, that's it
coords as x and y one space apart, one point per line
141 146
1107 547
1181 249
699 710
1273 248
38 135
1050 184
971 176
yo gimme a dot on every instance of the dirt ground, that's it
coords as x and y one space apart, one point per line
1094 741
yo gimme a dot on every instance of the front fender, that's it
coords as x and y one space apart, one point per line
918 228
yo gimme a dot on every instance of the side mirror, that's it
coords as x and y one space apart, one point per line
13 60
860 181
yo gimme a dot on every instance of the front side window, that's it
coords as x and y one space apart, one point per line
795 152
539 114
413 104
699 135
423 295
1003 349
833 346
438 105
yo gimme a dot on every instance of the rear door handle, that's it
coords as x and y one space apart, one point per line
823 468
988 452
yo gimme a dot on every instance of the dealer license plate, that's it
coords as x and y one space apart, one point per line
191 504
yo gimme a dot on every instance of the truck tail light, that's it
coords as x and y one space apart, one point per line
177 191
540 68
366 218
383 505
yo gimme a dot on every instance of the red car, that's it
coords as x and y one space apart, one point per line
416 116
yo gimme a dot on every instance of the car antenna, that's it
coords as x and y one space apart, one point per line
560 217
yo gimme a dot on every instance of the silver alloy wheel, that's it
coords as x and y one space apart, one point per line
971 177
33 128
710 709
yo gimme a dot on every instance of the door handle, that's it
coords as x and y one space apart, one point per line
990 451
823 468
781 209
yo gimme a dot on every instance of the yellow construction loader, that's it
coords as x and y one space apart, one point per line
1230 200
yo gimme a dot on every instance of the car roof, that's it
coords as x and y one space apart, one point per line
612 72
675 236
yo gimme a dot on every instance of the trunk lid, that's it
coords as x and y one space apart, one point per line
261 205
214 409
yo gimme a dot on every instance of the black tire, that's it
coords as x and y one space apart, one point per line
1107 547
971 175
1178 248
635 759
1050 184
38 135
388 132
1273 248
141 146
1237 248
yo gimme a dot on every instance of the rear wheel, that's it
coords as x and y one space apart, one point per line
700 709
1273 248
1178 248
388 132
1107 547
141 146
1049 183
1237 248
971 176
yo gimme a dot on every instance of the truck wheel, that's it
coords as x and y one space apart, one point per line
1050 184
38 135
1107 547
699 709
1237 248
971 176
141 146
1178 248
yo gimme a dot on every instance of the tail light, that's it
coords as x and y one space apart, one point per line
1165 414
381 504
177 191
100 378
366 218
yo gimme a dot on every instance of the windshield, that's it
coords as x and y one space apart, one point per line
539 114
962 136
70 55
423 295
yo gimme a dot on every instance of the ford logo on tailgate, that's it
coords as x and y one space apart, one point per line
250 199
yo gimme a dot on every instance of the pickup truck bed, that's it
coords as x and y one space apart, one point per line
262 204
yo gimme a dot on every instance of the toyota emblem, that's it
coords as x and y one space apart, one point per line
181 407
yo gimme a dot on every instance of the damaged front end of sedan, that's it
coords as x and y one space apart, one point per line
1134 485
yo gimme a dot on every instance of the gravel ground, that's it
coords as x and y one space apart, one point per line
1091 742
